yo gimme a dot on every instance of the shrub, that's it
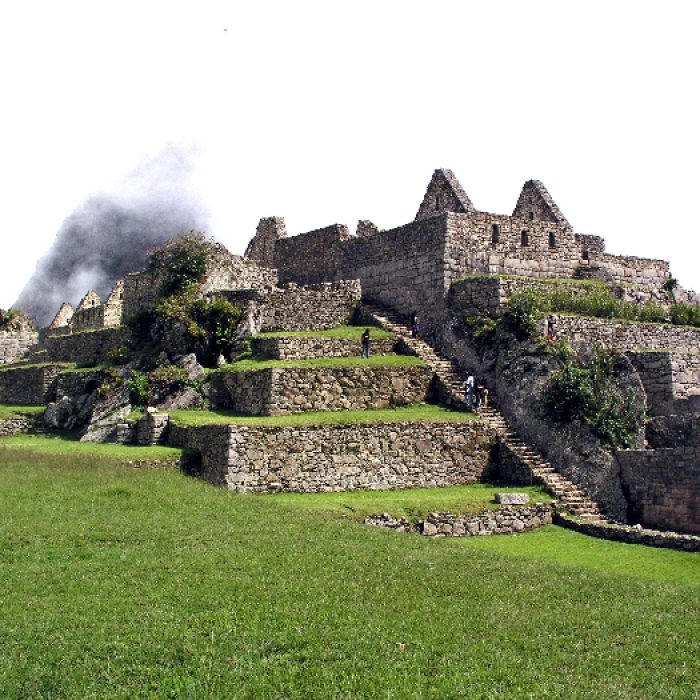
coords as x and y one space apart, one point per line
183 261
522 312
590 393
139 388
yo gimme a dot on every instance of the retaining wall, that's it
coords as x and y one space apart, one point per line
86 348
619 335
278 391
662 487
302 348
28 386
16 425
339 457
13 345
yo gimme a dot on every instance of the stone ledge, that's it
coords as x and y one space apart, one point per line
282 390
310 348
630 534
264 459
504 521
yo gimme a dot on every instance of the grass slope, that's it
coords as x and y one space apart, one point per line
127 583
416 412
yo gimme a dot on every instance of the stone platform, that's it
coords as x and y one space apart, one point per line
261 459
283 390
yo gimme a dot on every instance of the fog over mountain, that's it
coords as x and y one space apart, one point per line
110 233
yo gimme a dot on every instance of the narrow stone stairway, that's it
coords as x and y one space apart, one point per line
451 384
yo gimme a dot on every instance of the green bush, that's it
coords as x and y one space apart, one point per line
183 260
139 388
590 393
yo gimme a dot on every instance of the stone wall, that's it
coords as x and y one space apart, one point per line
86 348
662 487
313 257
507 520
28 386
504 245
504 521
339 457
673 430
621 335
279 391
312 307
629 270
16 425
14 345
304 348
630 534
226 271
670 380
402 267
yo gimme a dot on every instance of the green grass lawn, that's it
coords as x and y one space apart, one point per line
416 412
373 361
340 332
9 411
134 583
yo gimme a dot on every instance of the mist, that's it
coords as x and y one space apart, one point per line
109 234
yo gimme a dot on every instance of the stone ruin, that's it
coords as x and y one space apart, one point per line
451 261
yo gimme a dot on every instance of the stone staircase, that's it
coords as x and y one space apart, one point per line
451 386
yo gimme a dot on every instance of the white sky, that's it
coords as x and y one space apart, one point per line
326 112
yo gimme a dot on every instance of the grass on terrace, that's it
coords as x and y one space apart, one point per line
135 583
340 332
8 411
373 361
416 412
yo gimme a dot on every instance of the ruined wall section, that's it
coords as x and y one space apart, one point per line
15 344
626 270
662 487
402 268
29 385
86 348
623 335
313 257
226 272
262 248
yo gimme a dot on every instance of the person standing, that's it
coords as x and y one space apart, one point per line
365 343
469 392
414 325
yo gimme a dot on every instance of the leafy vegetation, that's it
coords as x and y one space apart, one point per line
135 583
588 392
181 318
416 412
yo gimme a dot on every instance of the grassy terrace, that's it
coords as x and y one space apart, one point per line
7 411
37 365
68 446
136 583
374 361
340 332
417 412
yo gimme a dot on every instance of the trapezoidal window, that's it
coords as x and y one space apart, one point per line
552 240
524 238
532 216
495 233
584 255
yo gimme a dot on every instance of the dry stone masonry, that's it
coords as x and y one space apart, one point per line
451 261
261 459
